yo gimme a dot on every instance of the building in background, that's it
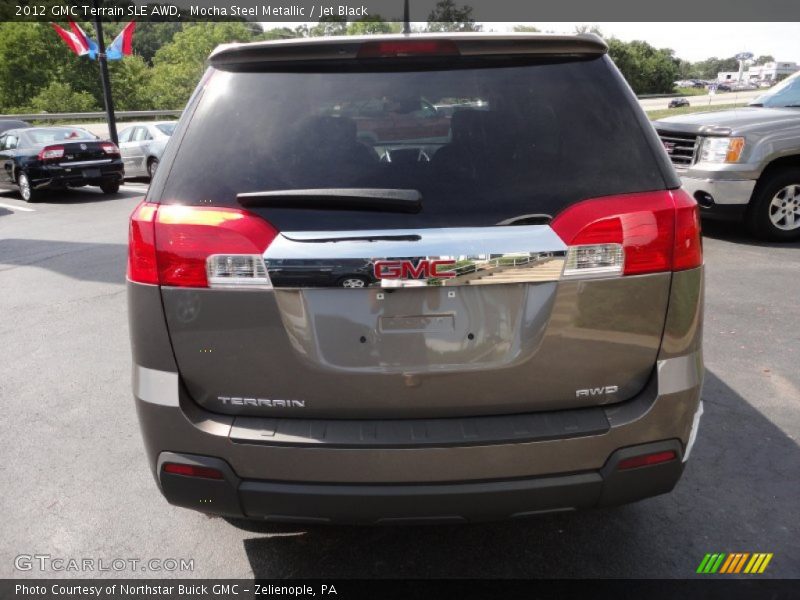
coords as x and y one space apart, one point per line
771 71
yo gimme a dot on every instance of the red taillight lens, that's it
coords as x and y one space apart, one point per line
171 244
658 231
109 148
646 460
688 237
51 153
400 48
192 471
142 263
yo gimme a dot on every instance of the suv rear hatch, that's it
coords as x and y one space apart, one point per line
351 233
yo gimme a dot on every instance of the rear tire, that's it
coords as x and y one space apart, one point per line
353 281
774 213
152 165
110 188
26 190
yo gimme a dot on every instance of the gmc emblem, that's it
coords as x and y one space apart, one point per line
669 147
405 269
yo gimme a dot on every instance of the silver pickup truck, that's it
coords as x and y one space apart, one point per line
743 163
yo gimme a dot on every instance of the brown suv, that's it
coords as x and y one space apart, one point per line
528 339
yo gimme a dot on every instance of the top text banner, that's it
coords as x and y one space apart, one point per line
711 11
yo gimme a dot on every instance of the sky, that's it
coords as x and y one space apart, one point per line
691 41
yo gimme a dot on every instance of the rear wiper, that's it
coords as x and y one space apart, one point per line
368 199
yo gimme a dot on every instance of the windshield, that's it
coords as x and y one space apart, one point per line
166 128
481 145
57 134
785 94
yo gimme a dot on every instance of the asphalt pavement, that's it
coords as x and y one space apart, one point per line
76 484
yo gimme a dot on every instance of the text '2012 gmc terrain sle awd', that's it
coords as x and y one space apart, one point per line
525 336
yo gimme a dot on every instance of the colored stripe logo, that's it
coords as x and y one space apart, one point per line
735 562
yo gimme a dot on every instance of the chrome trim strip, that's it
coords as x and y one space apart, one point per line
155 387
85 163
417 257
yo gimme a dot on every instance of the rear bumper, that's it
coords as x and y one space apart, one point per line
461 481
421 503
60 177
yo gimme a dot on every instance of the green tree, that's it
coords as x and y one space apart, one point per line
328 26
708 68
280 33
130 80
581 29
526 29
648 70
764 59
178 66
60 97
448 16
151 35
372 25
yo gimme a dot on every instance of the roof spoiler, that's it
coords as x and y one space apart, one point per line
346 47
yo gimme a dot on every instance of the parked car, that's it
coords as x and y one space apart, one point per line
142 146
743 164
6 124
490 371
41 158
678 102
721 87
356 273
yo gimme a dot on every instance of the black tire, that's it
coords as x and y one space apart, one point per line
110 188
152 165
26 191
774 212
349 281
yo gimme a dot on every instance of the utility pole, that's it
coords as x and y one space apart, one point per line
406 18
101 58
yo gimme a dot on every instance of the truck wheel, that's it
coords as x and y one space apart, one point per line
774 212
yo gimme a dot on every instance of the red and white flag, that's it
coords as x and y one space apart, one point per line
76 42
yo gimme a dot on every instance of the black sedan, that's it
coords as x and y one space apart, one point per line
678 102
40 158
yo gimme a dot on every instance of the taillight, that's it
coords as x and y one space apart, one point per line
109 148
51 153
142 264
688 238
402 48
198 246
192 471
631 234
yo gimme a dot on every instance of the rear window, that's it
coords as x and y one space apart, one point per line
483 145
57 134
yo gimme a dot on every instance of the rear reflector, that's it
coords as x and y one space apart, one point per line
631 234
197 246
647 460
401 48
192 471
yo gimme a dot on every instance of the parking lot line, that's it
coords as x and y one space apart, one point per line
15 207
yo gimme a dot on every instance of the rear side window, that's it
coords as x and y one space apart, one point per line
57 134
483 145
